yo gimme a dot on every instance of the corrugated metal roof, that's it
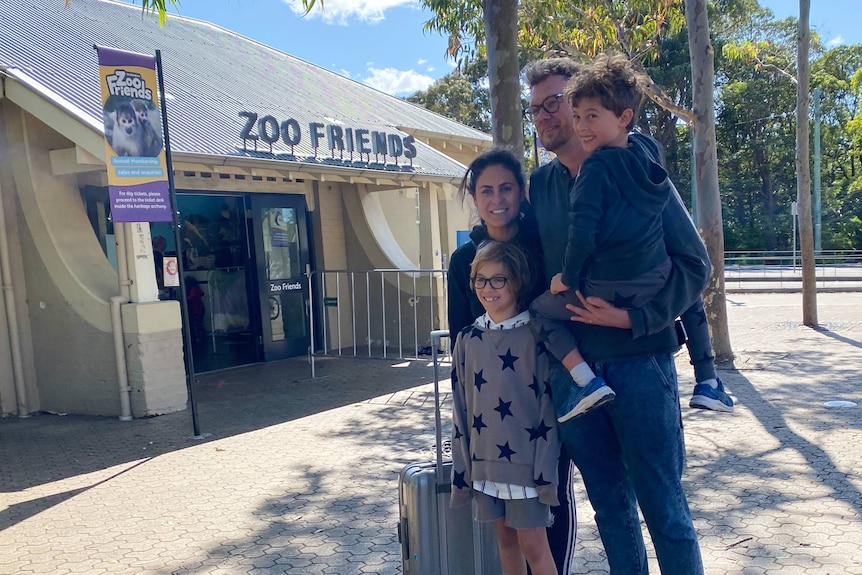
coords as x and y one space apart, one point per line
211 74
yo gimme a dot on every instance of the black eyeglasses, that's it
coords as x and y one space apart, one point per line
497 282
551 104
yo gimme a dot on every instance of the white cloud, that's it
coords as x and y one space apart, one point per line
430 69
394 81
341 11
345 73
421 61
837 41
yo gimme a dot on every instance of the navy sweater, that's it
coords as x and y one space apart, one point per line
652 324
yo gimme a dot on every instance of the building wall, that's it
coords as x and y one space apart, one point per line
64 282
68 279
9 397
69 284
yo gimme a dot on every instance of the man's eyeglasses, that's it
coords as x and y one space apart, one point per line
551 104
497 282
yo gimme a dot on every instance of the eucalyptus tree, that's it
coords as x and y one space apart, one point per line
803 169
709 218
462 95
839 74
756 146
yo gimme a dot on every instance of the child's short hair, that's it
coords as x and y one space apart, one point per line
515 263
613 80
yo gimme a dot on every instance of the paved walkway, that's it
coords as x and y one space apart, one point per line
299 476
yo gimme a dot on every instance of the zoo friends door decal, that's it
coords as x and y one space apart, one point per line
134 139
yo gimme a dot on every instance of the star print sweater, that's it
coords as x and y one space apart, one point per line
503 423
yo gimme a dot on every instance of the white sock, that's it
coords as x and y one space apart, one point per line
582 374
713 383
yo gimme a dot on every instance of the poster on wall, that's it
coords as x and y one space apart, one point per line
134 139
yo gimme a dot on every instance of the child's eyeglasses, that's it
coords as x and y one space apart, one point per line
497 282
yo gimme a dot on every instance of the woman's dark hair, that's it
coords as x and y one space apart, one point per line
493 157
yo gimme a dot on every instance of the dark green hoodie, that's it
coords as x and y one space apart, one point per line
615 230
652 329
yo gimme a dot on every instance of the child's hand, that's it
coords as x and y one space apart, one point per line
557 285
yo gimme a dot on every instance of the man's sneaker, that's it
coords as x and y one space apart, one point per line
707 397
583 399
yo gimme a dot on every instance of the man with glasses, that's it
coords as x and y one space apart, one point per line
631 451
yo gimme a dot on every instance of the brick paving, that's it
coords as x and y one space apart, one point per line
298 476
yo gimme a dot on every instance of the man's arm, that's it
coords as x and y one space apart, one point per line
689 273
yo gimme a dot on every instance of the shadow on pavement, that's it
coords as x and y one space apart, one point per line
46 448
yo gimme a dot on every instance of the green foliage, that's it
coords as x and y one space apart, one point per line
553 27
461 95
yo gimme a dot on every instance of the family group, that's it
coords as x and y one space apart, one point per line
565 311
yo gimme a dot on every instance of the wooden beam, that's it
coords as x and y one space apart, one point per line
230 170
74 160
295 175
267 173
332 178
191 167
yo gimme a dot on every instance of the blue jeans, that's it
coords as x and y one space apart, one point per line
631 452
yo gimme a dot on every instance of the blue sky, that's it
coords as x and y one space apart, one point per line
381 42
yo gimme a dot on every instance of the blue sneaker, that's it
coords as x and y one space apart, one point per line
707 397
583 399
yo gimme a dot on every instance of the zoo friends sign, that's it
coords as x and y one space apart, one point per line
134 139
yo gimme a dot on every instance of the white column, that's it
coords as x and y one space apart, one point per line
140 263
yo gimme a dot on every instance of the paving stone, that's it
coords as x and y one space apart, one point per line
300 476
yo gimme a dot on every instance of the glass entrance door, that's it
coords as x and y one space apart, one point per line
281 247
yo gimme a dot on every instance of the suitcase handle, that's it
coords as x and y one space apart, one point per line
436 336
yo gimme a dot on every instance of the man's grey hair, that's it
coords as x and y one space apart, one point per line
538 71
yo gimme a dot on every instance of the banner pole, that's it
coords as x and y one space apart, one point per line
187 338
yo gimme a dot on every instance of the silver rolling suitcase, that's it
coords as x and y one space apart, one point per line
435 539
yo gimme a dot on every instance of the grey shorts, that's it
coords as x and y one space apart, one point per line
519 513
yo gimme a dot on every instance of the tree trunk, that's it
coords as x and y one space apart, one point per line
803 170
501 41
706 170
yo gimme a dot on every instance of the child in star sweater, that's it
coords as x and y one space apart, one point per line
505 445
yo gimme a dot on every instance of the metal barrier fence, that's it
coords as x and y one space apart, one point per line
777 272
383 313
792 258
388 313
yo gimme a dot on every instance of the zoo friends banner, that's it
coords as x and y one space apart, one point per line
134 139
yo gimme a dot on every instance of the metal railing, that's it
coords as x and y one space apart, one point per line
792 258
781 271
383 313
388 313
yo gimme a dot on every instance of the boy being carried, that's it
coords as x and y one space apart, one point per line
615 247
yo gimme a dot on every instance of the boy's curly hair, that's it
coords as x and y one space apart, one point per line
612 80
